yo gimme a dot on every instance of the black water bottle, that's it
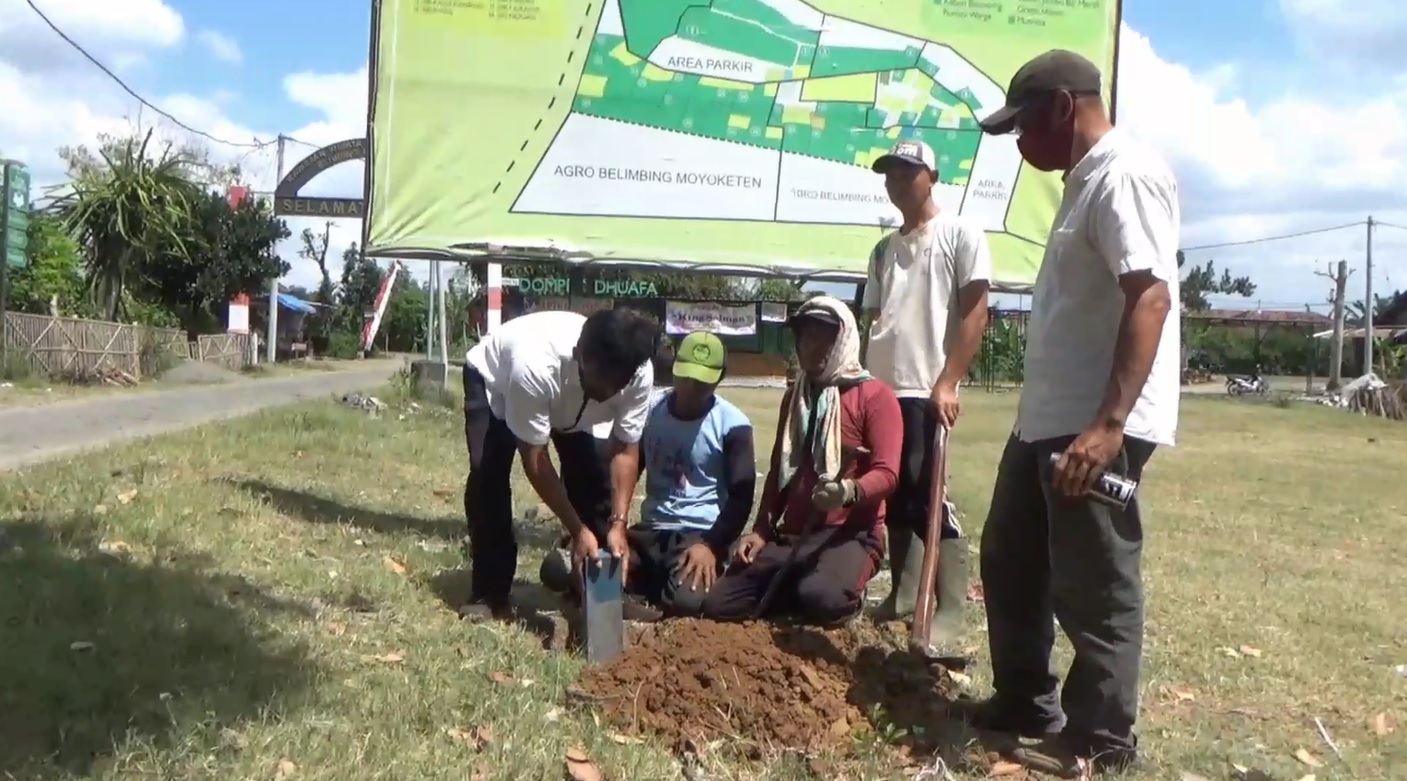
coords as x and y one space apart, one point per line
1111 490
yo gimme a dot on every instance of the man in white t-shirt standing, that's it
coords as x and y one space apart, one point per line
553 377
926 299
1101 391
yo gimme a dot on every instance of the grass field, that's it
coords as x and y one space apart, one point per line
268 599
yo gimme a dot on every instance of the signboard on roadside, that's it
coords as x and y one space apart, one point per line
14 214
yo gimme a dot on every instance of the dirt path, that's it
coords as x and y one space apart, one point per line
29 435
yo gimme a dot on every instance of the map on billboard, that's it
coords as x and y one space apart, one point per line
728 133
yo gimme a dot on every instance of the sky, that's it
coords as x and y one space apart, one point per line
1278 116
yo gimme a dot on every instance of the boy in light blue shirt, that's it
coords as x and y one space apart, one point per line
700 477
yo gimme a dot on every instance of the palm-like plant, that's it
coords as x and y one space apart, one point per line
130 207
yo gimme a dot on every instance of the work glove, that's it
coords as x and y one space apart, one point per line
833 495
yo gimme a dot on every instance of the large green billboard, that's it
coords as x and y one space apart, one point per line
726 134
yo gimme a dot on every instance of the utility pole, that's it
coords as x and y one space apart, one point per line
1368 302
273 283
1339 277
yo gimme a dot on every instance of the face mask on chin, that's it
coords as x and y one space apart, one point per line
1049 142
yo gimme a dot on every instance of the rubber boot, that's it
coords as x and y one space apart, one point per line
950 592
903 589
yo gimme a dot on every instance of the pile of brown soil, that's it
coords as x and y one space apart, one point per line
763 687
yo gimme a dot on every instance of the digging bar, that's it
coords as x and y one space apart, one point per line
928 573
603 609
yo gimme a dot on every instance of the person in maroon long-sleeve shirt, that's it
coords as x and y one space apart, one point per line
834 463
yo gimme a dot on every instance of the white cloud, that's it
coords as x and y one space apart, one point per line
220 46
1362 32
1295 161
117 32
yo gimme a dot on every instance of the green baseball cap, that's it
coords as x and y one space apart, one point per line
700 356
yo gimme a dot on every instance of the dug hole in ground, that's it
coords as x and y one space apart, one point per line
758 689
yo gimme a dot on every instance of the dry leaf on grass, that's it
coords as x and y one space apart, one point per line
444 493
395 565
1309 777
394 657
1178 696
80 645
476 738
336 628
1250 650
1186 776
126 497
114 547
581 768
1380 724
626 740
286 769
1307 758
552 715
1005 768
100 509
502 678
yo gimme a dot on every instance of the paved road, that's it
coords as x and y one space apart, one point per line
29 435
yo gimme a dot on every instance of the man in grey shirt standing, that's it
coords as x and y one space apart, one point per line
1101 391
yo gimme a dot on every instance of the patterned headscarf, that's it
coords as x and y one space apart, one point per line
842 370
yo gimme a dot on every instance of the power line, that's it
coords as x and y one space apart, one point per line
1380 224
1281 237
257 144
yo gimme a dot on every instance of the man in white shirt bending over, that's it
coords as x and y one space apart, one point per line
926 298
553 377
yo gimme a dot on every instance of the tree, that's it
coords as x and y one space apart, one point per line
780 290
125 206
228 251
403 325
198 165
1201 282
51 283
315 248
361 279
1382 306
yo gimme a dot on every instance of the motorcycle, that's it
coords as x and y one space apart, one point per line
1254 385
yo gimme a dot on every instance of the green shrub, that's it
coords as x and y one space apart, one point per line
343 345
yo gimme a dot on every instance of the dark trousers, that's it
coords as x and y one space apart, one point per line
908 506
1045 557
825 584
488 493
656 557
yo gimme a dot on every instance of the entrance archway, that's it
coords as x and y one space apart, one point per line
287 201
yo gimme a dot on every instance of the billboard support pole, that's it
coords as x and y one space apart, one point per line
273 283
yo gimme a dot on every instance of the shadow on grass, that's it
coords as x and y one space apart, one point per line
538 610
905 698
103 653
314 508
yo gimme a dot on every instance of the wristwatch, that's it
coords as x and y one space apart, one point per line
618 518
